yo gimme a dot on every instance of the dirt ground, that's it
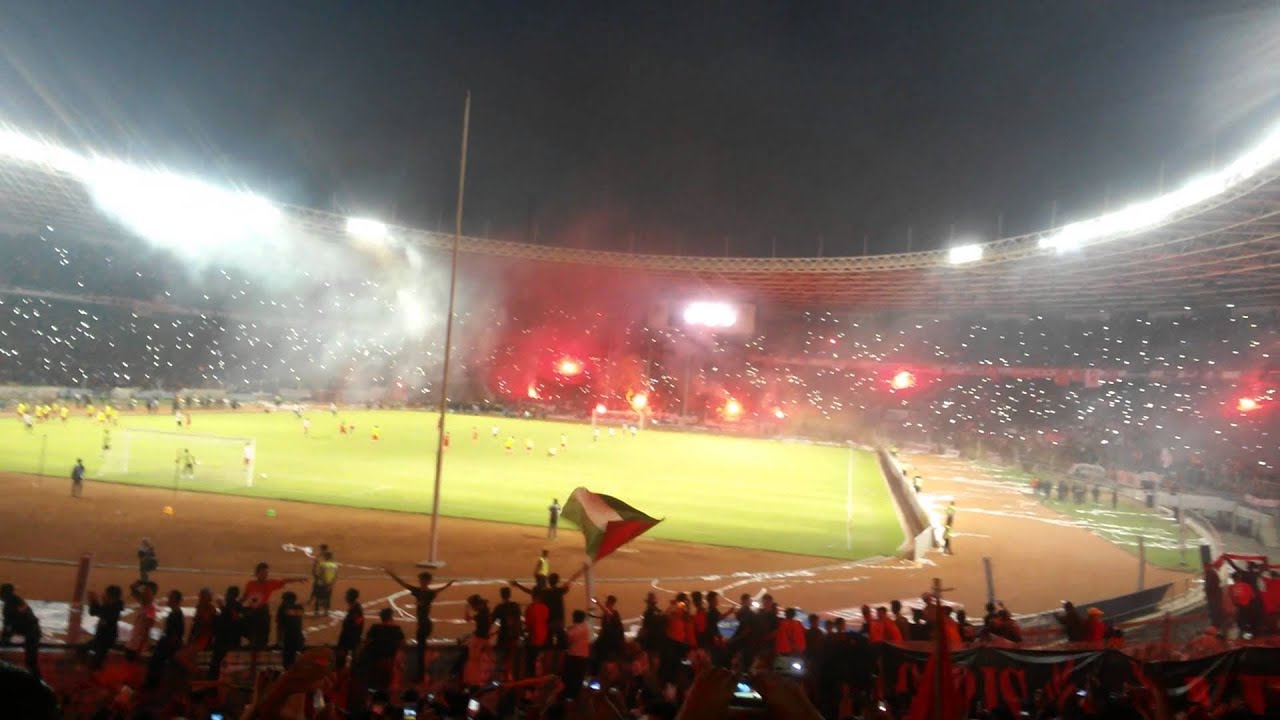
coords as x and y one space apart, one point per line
214 540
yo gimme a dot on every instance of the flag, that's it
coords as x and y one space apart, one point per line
606 522
939 663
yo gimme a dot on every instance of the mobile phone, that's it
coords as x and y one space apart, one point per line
746 696
410 713
1082 693
789 667
473 706
215 716
592 684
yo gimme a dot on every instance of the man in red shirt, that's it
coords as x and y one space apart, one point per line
1242 595
789 640
889 631
536 619
1095 630
257 606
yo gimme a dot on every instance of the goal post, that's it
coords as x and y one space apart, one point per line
156 457
602 417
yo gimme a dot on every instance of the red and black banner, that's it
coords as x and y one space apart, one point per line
993 677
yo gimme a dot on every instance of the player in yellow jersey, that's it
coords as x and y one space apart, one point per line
88 411
63 413
22 409
102 417
509 444
376 433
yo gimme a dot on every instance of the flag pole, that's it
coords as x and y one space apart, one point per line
433 559
940 647
590 585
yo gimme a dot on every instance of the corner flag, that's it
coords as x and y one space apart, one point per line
606 522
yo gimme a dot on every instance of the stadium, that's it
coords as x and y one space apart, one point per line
983 431
742 401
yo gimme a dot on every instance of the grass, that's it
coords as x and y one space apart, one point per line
1131 520
1122 526
717 490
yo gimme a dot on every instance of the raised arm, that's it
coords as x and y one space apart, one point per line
516 584
396 577
445 586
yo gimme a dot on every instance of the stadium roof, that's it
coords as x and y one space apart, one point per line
1211 241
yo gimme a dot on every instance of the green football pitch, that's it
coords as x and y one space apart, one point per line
739 492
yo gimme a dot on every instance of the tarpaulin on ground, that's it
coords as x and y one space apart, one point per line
1008 677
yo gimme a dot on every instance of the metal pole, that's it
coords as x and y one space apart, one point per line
991 579
688 380
940 647
1182 533
433 559
848 503
1142 563
590 586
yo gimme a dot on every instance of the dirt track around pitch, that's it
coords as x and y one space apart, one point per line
215 540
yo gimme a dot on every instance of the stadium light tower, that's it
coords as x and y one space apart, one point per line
964 254
367 229
433 556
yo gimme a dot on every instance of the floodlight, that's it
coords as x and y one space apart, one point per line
28 149
366 229
962 254
638 402
710 314
180 212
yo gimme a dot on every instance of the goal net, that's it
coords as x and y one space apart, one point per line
163 457
620 420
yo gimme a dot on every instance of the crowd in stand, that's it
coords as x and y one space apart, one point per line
822 371
528 653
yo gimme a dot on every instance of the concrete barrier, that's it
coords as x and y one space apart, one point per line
920 536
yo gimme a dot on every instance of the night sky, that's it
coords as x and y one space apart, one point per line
670 127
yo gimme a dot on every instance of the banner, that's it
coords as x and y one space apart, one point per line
994 677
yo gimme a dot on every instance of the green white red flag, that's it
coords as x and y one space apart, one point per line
606 522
